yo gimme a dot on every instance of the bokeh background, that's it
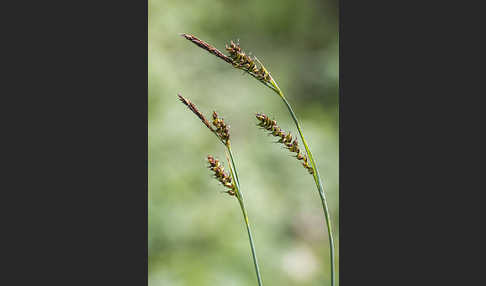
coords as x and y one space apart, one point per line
196 233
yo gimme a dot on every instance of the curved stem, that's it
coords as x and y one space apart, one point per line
239 196
317 179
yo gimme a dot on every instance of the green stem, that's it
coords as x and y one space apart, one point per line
250 237
228 146
239 196
317 179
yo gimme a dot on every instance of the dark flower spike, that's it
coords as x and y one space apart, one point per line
194 109
221 175
285 139
207 47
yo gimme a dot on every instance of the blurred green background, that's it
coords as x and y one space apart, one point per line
196 233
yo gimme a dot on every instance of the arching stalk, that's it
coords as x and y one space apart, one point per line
317 180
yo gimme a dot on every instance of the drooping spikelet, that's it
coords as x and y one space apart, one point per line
221 175
285 138
222 130
194 109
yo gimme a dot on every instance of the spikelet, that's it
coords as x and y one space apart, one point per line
221 175
285 138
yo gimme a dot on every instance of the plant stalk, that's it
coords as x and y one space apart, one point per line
239 196
317 179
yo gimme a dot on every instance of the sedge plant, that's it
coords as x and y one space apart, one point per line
251 65
229 181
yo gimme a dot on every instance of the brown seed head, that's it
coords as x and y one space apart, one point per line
285 138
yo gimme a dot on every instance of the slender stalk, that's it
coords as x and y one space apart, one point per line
239 196
253 252
228 146
317 179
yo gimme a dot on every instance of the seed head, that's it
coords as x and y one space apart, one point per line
285 138
221 175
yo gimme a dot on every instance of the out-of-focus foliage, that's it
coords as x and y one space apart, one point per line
196 233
